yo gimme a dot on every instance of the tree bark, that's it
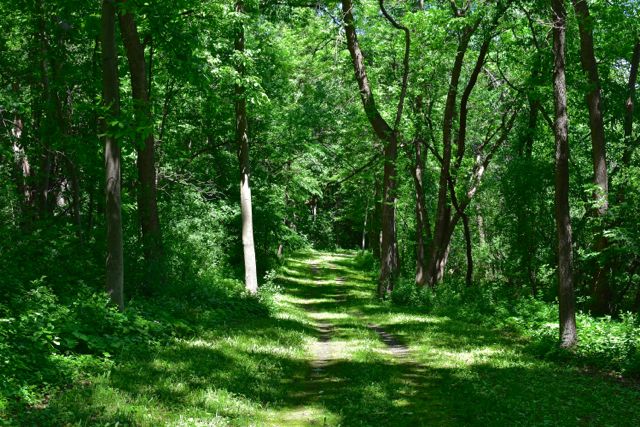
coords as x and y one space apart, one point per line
389 256
111 100
242 141
439 244
602 292
147 191
568 334
422 222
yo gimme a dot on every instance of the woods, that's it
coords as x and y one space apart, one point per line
481 157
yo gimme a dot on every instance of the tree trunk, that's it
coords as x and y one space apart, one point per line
22 173
147 191
602 292
374 223
438 249
568 334
630 107
111 99
389 257
389 250
422 222
242 141
469 252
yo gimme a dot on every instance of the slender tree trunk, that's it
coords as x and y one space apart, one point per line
630 106
22 173
422 222
374 223
568 334
389 256
602 292
438 249
469 250
147 191
363 245
242 141
111 100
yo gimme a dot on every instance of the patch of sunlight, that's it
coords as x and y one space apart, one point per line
199 343
471 357
328 316
200 422
400 318
308 415
224 402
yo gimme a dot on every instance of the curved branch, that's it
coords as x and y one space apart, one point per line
405 63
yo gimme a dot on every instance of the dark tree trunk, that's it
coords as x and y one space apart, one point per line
147 191
438 249
111 99
242 141
389 136
602 292
568 334
630 106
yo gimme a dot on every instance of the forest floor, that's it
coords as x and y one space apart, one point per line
330 354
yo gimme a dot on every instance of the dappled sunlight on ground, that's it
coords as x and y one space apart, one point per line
331 354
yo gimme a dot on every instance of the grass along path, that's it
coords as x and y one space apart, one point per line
400 367
331 354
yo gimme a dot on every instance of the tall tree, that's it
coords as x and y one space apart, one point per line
568 334
242 141
111 100
602 292
389 135
145 146
629 145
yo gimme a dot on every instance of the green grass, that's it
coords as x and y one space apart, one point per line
259 370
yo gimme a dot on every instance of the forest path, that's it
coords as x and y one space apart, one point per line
375 364
359 374
324 351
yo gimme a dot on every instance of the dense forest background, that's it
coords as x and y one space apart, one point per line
441 157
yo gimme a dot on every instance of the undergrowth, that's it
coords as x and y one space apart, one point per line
606 343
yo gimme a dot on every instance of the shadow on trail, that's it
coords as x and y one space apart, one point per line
253 371
458 373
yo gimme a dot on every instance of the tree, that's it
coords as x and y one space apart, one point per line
242 141
568 334
389 135
111 102
145 146
602 292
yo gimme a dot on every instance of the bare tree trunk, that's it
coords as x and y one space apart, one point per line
111 99
242 141
147 192
568 333
602 292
